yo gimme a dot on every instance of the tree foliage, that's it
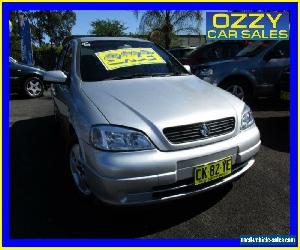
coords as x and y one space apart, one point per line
55 25
46 56
161 25
107 28
48 29
45 25
14 38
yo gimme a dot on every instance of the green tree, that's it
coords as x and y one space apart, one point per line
14 38
107 28
55 25
46 56
161 25
52 26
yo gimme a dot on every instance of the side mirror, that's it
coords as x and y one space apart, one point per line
188 68
55 77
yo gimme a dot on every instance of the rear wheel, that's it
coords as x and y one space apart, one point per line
33 87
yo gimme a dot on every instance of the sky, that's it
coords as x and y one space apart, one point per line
85 17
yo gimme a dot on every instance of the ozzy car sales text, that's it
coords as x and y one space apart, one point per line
247 26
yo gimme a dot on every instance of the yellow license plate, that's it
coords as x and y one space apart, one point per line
284 95
212 170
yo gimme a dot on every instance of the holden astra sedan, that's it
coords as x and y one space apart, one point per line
140 128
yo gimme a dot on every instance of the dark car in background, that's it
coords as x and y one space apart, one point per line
253 72
25 79
214 51
181 52
283 86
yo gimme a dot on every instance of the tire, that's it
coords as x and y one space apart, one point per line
239 89
33 87
77 171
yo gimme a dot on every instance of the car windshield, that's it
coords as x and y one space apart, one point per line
181 52
195 51
121 59
253 49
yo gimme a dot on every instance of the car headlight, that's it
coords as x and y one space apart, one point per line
114 138
204 72
247 118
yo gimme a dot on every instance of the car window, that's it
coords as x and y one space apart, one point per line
281 50
232 49
254 48
186 52
210 51
101 60
218 52
180 53
199 52
61 57
66 67
176 53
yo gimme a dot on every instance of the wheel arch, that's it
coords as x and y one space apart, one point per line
244 77
72 132
25 77
74 138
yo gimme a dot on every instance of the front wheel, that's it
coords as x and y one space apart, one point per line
238 89
33 87
77 170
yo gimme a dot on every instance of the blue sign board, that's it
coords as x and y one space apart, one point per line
26 49
247 25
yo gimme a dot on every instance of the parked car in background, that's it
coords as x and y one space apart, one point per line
214 51
180 53
253 72
284 85
141 128
25 79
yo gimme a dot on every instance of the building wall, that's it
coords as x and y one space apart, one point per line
190 40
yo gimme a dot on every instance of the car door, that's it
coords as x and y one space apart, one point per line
62 92
15 74
274 62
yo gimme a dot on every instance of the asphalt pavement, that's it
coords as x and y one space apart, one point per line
43 203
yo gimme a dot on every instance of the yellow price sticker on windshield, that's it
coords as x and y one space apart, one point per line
127 57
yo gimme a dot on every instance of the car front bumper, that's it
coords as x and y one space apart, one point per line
130 178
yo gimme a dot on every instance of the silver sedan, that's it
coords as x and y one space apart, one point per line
140 128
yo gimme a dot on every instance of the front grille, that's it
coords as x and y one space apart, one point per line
191 132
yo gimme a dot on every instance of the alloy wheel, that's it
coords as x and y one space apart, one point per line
77 170
34 87
236 90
